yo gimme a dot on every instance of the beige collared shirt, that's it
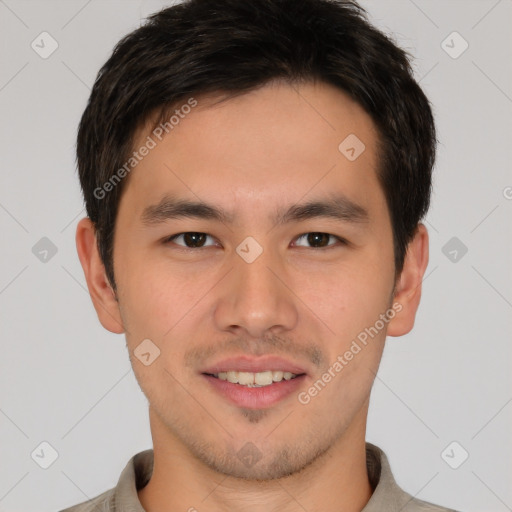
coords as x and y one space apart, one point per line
386 497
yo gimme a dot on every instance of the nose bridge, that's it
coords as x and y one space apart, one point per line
254 298
256 278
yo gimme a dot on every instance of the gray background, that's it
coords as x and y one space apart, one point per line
68 382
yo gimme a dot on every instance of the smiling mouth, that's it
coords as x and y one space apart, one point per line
254 380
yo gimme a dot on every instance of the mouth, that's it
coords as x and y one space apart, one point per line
255 380
254 383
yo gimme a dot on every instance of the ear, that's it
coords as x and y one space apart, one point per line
102 294
408 286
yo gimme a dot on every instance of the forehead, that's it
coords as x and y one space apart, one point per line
275 144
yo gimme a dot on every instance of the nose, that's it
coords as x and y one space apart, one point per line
256 298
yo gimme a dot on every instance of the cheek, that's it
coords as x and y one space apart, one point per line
348 297
155 296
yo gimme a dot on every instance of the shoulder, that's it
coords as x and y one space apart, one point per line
102 503
387 494
416 505
123 496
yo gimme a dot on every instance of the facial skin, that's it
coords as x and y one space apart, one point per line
252 156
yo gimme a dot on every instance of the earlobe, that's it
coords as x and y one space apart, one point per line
100 290
408 287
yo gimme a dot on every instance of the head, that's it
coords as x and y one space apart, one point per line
300 135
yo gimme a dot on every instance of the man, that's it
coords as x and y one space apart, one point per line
255 174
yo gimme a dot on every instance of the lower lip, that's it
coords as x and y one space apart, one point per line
255 398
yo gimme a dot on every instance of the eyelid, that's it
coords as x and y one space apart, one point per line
171 238
341 240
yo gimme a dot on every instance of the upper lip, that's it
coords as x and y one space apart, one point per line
254 365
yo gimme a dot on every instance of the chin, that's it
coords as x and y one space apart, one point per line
251 464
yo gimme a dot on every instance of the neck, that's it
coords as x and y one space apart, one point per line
337 480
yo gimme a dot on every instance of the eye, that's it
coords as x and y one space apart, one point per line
197 240
191 239
319 240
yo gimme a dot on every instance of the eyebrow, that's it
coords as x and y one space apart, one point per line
336 207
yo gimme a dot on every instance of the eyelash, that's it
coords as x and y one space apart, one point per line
185 248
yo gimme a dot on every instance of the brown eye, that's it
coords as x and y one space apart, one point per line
191 240
319 240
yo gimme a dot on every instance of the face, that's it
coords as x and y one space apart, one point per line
251 287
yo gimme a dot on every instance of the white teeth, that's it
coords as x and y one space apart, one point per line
245 378
277 376
231 377
259 379
263 378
